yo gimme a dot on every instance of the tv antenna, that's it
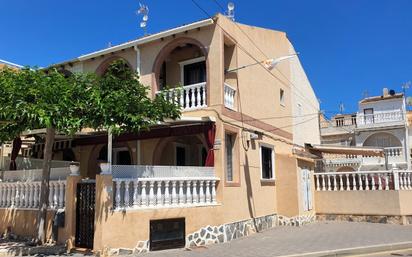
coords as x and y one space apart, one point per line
230 13
144 11
365 94
341 108
406 86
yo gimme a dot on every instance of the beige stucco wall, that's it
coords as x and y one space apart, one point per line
305 105
257 104
364 202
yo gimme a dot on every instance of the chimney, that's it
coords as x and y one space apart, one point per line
385 91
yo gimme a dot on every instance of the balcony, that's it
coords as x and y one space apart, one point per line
338 126
189 97
380 119
141 187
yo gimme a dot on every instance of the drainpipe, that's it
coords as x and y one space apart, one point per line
406 147
136 48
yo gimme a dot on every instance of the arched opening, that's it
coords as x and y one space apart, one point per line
181 151
382 139
105 64
183 62
121 155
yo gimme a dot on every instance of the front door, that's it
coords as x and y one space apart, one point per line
85 206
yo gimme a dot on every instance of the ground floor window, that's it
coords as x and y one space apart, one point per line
267 162
167 234
229 143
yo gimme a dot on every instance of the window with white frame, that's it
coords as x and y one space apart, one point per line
282 97
267 162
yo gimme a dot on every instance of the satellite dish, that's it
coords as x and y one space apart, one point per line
409 101
392 92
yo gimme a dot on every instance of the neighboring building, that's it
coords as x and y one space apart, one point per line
164 190
4 63
381 123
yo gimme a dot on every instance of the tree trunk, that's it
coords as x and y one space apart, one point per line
44 188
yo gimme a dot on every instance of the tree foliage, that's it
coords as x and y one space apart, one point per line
37 98
34 98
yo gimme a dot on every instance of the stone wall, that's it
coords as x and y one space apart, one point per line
230 231
386 219
296 221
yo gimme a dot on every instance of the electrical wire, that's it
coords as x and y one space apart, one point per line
261 51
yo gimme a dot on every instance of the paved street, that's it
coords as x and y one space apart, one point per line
315 237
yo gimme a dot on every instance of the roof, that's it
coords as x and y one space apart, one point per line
7 63
141 40
381 97
372 151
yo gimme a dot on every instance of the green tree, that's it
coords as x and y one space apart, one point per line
37 98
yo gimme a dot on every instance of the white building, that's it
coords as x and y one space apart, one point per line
380 122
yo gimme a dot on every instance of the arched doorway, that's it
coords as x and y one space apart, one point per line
181 151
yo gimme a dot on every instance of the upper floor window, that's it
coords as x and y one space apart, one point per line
193 71
282 97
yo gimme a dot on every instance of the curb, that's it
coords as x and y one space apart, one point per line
355 250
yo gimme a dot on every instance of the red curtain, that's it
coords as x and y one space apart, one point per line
14 153
210 140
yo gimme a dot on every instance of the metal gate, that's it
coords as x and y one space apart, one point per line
85 214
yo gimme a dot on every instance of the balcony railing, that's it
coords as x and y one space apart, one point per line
164 192
380 118
229 96
364 180
189 97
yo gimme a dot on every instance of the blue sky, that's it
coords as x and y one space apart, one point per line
347 47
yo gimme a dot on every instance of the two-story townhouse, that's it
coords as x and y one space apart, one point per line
227 168
380 122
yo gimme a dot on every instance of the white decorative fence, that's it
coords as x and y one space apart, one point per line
27 194
229 96
24 163
164 192
364 180
188 97
148 171
367 120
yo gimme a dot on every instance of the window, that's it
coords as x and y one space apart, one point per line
368 114
267 162
282 97
193 71
299 110
229 143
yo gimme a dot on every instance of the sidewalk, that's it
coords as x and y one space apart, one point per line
317 238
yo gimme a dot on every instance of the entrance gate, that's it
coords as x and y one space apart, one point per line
85 206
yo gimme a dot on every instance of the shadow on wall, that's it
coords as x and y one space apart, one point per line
23 222
249 191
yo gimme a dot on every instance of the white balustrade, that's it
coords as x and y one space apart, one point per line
229 96
149 171
27 194
188 97
364 180
164 192
371 120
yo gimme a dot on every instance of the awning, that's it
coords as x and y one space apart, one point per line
370 151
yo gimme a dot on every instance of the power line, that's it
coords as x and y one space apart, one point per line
261 51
